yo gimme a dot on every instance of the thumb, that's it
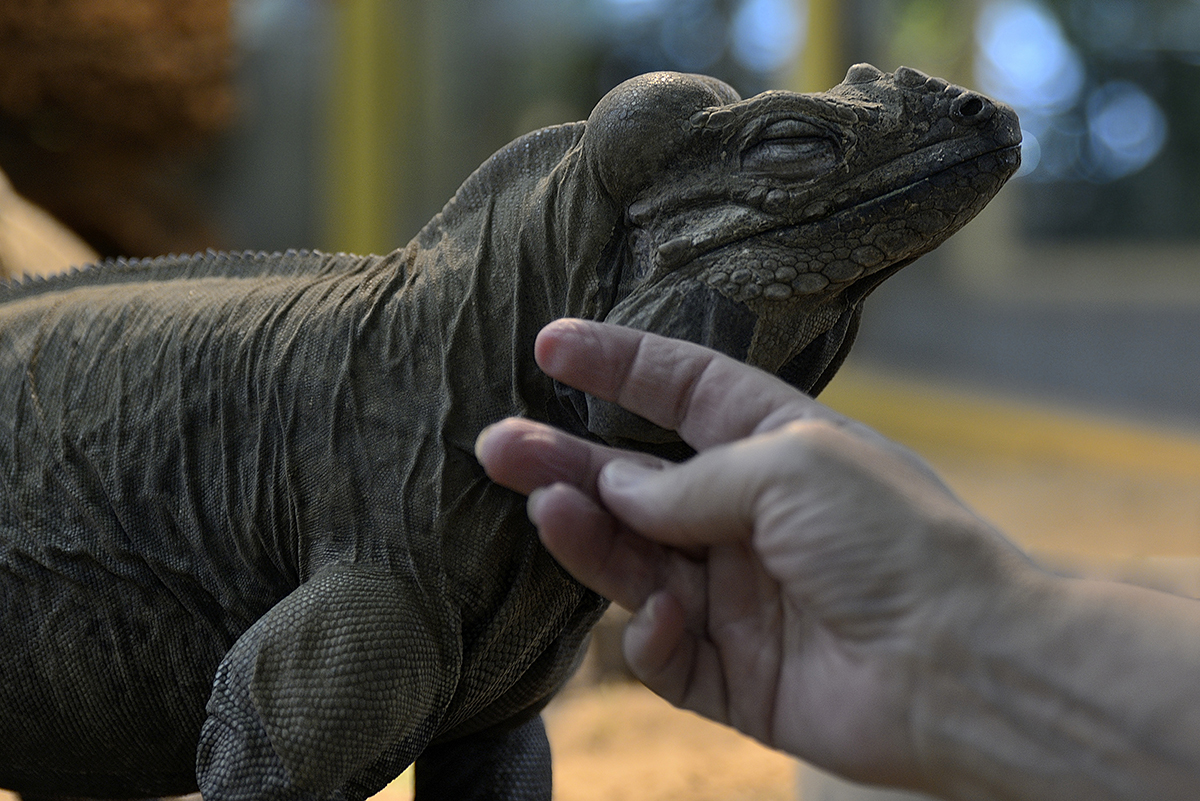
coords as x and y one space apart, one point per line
709 499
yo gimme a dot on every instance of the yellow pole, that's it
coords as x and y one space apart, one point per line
820 64
374 75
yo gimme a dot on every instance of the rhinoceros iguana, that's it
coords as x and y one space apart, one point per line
244 544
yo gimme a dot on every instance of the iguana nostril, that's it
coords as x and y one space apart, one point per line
970 107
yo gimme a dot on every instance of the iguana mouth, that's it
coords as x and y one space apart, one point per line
999 161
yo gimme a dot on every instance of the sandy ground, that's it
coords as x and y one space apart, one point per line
620 742
616 742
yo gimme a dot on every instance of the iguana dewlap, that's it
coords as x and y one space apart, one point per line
243 539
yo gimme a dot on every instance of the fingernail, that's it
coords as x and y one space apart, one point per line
623 474
642 619
533 502
483 435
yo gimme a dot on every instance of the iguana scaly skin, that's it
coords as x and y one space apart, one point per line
243 539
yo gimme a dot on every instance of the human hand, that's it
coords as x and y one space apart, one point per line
791 580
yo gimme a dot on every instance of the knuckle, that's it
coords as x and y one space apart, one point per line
814 438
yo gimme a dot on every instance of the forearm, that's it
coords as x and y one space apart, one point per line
1069 689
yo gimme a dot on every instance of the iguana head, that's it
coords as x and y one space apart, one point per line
756 227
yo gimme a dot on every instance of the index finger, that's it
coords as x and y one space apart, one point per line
707 397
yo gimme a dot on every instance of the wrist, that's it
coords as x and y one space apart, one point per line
1064 688
959 714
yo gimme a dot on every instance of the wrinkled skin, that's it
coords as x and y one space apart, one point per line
757 227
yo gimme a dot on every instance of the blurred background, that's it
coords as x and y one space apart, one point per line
1046 359
150 127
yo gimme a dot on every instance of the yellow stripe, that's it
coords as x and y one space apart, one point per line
931 416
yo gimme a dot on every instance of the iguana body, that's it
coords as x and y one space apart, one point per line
243 538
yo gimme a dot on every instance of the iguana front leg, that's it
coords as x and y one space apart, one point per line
351 668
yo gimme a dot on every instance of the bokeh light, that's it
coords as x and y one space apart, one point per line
1024 58
1071 131
1126 129
767 34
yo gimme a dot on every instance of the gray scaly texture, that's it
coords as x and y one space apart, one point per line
244 544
